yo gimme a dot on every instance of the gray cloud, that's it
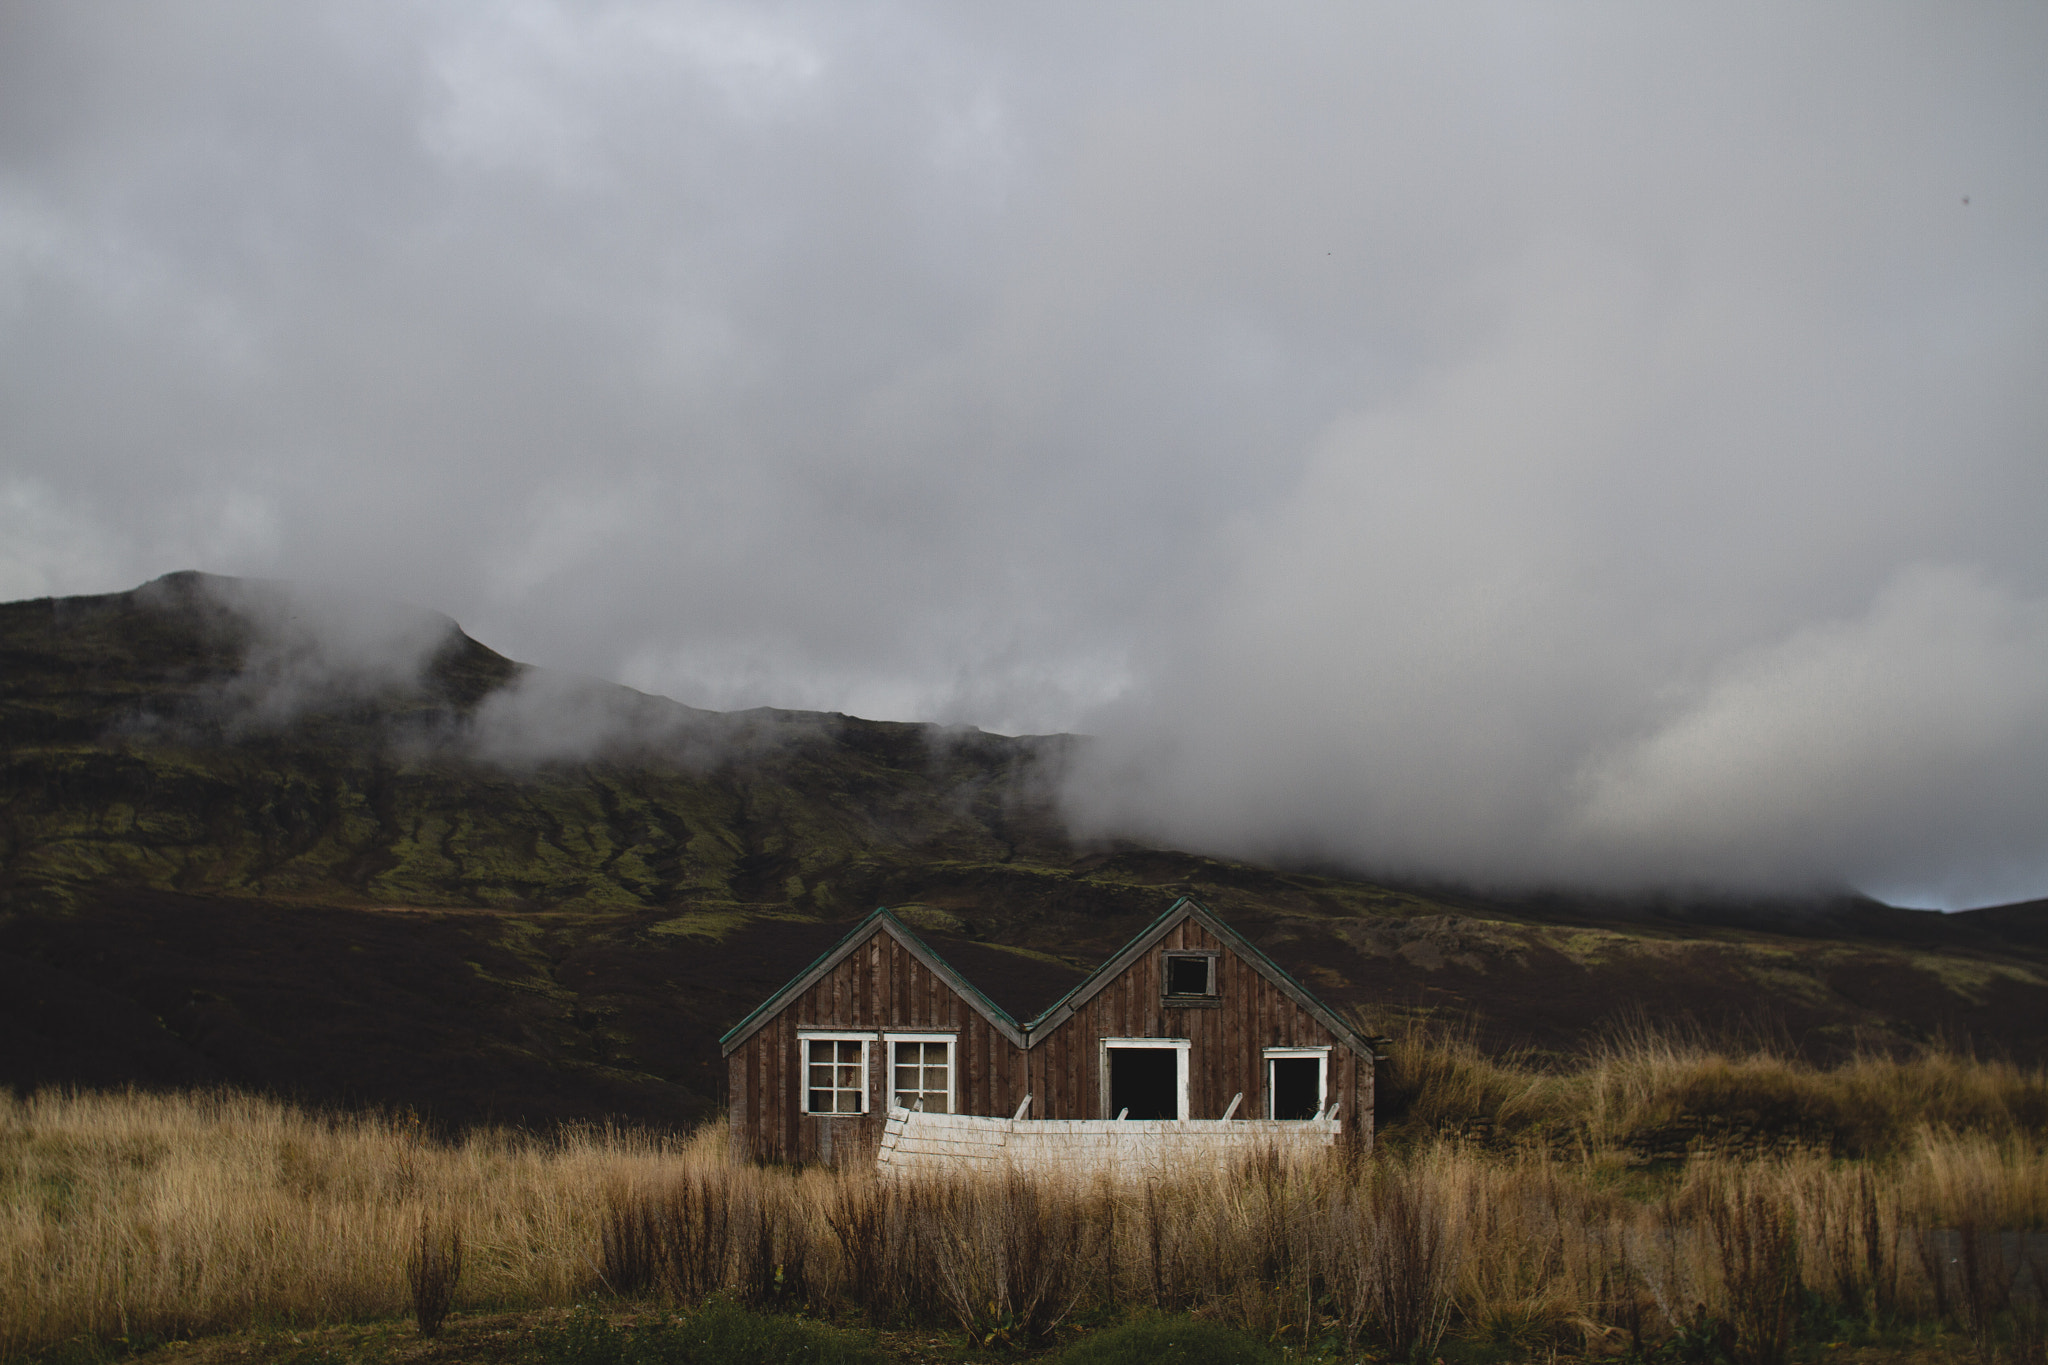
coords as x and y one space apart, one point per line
278 652
1594 443
312 649
293 652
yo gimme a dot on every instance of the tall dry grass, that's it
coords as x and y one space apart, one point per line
1647 1090
127 1214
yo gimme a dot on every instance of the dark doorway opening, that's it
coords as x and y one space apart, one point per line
1297 1086
1144 1080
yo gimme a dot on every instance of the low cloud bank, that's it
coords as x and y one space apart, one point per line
1899 751
545 716
1454 728
306 650
1586 443
1608 600
1902 749
302 648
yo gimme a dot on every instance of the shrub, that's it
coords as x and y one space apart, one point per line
1010 1254
1759 1261
433 1267
1159 1339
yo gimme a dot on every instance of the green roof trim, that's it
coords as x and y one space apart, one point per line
1137 941
1052 1016
966 987
1186 907
880 920
768 1006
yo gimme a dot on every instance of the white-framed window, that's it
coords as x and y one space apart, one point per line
1148 1077
835 1072
921 1069
1297 1082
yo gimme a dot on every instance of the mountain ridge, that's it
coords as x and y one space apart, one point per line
363 859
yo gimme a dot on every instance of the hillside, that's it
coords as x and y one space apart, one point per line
345 852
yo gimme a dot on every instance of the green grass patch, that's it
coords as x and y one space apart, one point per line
716 925
719 1333
1160 1339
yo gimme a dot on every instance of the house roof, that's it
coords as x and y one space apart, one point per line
881 921
1062 1009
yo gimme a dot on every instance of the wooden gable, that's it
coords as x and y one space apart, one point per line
1254 1010
877 981
1229 1012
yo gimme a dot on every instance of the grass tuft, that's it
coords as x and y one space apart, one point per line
1658 1094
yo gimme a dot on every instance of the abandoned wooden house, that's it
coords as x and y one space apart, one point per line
1188 1025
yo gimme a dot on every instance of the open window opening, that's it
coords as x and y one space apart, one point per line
1190 974
1297 1082
921 1072
835 1074
1145 1078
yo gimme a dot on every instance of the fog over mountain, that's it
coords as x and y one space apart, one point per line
1591 444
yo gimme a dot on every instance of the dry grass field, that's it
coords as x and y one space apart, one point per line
1844 1204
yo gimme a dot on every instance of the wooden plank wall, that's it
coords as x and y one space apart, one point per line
879 987
1227 1039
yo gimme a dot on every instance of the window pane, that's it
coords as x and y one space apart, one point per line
1187 975
832 1072
919 1076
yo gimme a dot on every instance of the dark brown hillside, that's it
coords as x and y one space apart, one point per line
232 850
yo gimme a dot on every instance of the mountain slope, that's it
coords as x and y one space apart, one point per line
255 835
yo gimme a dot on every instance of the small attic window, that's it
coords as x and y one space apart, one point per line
1190 974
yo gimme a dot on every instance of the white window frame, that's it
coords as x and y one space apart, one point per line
951 1040
804 1039
1322 1056
1180 1066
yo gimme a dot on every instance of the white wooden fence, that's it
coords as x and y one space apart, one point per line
917 1141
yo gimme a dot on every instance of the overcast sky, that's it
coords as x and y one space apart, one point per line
1574 442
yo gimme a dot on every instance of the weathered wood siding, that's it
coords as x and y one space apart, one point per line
1227 1040
880 987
